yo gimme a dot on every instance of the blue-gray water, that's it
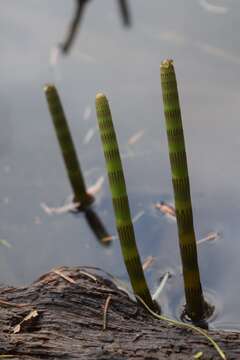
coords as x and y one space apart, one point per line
203 39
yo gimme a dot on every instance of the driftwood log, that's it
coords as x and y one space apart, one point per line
67 309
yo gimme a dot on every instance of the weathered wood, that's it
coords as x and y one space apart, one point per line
70 324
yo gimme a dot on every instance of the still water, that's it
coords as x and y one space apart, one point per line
202 36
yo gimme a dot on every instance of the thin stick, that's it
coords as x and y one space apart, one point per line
11 304
65 277
106 306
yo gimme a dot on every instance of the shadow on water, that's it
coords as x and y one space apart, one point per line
104 58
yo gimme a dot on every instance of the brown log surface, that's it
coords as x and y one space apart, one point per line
69 324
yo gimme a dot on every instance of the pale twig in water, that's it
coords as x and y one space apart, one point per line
89 135
166 209
138 216
161 286
186 326
95 188
106 306
5 243
209 237
72 206
61 209
148 262
136 137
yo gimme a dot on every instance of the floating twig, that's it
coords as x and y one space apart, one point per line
148 262
5 243
138 216
136 137
166 209
161 286
61 209
95 188
212 236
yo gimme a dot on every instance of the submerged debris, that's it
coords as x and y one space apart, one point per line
136 137
5 243
148 262
72 206
61 209
211 236
166 208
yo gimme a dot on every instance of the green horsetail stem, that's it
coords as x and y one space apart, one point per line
67 147
195 304
120 200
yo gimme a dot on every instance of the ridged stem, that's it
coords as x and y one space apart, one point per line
120 200
195 305
67 147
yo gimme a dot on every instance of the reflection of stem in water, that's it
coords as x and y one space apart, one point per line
75 23
97 227
125 13
195 304
67 147
120 200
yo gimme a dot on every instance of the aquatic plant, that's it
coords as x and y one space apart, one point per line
195 304
67 147
120 200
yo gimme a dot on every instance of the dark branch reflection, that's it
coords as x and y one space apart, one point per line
97 227
125 12
74 25
77 18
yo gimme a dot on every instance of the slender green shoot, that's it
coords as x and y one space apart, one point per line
67 148
120 200
186 326
195 304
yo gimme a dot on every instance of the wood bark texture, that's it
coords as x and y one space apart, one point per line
69 323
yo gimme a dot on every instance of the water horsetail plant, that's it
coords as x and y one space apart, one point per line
120 200
67 148
196 307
